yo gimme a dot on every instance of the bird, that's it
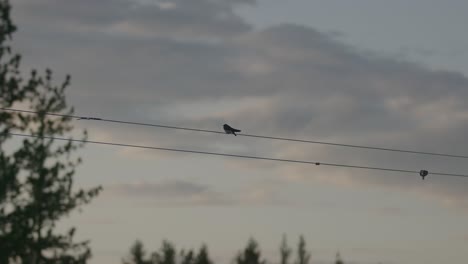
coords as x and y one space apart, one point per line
423 173
230 130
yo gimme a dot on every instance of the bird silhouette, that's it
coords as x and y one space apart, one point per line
230 130
423 173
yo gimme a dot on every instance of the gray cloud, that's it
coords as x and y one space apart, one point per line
187 193
174 18
165 189
388 211
172 192
196 63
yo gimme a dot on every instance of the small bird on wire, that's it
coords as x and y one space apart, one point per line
423 173
230 130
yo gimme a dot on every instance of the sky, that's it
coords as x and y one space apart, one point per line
369 72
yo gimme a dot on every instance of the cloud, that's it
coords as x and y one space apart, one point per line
171 192
198 64
170 18
187 193
388 211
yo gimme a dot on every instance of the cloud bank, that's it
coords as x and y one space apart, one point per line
197 63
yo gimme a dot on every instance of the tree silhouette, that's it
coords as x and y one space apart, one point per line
36 178
166 255
303 256
203 256
285 251
187 257
338 259
137 254
250 255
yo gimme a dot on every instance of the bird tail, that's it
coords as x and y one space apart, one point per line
236 130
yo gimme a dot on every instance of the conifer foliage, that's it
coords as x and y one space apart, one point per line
36 177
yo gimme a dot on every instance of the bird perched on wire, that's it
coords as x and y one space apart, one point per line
230 130
423 173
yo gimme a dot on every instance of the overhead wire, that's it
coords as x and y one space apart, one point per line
247 135
239 156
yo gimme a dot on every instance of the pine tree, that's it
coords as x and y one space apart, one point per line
285 251
166 255
203 256
303 256
36 177
137 254
338 259
250 255
187 258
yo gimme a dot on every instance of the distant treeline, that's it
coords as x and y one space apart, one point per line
251 254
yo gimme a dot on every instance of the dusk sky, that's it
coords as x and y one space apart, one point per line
366 72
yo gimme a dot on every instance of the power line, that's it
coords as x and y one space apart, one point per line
243 156
248 135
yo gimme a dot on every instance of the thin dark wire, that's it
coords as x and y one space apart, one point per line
114 121
238 156
250 135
